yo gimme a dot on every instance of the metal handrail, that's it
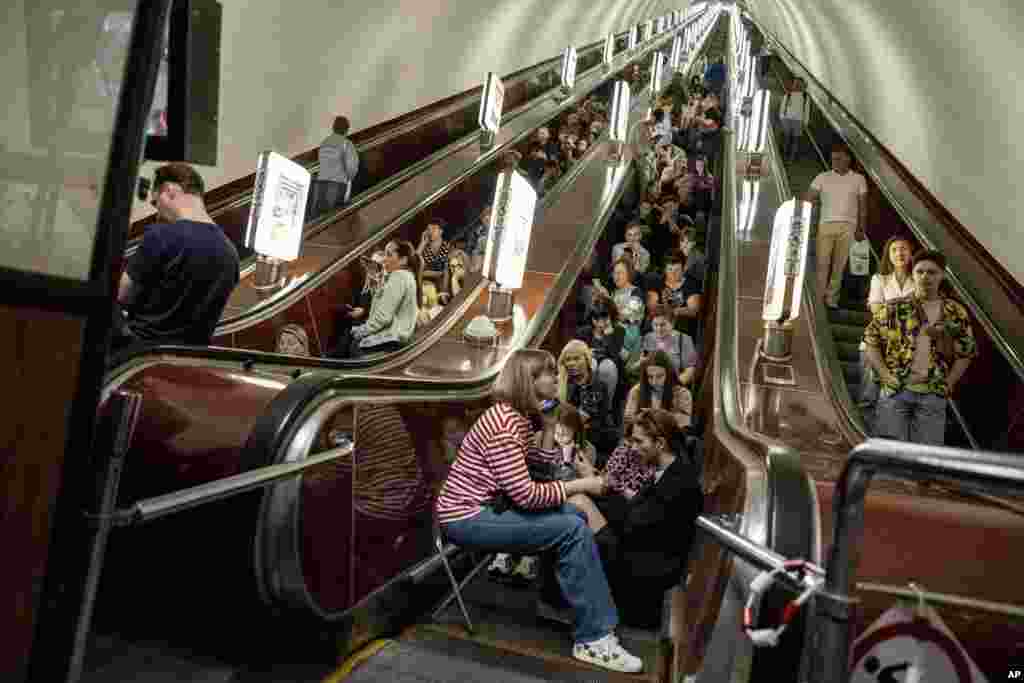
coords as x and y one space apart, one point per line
997 473
277 303
148 509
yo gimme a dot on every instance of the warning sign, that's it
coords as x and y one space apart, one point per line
911 646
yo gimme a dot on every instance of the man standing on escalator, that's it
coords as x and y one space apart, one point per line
174 287
339 164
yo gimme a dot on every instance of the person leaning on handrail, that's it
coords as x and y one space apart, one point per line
489 501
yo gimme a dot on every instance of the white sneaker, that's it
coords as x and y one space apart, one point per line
526 568
501 565
608 653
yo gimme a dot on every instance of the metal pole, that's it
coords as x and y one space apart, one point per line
997 473
124 413
178 501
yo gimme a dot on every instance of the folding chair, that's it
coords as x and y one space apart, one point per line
442 552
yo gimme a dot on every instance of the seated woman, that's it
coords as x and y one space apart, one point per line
677 345
454 276
641 257
683 294
430 305
395 309
605 337
354 313
579 386
489 502
702 186
433 250
645 539
659 387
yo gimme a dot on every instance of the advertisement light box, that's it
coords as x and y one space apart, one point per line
278 208
491 103
569 68
508 242
620 112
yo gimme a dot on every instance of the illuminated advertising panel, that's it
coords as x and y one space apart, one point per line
619 124
278 208
491 103
677 52
508 240
609 50
787 262
569 68
657 73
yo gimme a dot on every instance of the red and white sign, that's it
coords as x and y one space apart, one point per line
905 645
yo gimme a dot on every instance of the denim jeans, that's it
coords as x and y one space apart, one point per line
911 416
578 566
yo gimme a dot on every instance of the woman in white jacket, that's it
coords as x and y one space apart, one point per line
395 309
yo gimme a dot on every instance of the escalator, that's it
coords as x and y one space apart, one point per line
803 407
328 272
986 410
301 557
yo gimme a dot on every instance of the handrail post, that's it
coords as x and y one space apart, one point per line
116 434
1002 473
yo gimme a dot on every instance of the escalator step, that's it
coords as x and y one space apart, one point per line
847 333
851 373
846 316
848 351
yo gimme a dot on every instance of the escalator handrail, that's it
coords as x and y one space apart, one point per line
132 360
285 298
376 362
898 198
455 103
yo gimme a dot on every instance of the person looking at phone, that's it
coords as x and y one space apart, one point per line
641 257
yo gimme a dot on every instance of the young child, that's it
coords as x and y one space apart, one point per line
572 444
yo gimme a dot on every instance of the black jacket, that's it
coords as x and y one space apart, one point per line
660 523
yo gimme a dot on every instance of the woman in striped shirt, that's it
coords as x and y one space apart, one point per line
489 501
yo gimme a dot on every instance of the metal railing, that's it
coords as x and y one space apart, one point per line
994 473
828 660
124 409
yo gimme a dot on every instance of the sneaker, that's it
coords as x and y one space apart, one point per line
609 654
501 566
526 568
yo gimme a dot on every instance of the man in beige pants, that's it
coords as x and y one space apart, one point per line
843 194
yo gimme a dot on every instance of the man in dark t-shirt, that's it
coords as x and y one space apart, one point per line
175 286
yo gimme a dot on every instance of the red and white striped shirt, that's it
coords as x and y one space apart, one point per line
493 459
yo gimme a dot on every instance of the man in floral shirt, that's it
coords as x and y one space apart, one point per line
920 346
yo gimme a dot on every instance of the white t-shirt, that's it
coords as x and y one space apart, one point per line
885 288
793 106
839 194
923 346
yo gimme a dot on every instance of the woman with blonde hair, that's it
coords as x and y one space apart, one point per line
489 501
579 386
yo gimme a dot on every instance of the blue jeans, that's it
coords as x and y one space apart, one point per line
578 565
910 416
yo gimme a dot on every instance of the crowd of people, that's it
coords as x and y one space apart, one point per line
586 463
